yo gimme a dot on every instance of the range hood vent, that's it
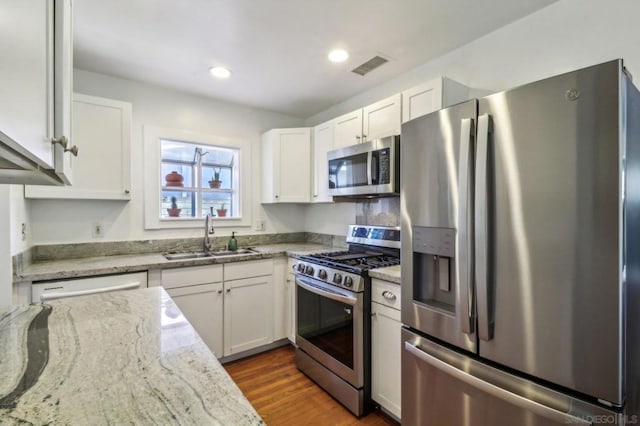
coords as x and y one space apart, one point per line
370 65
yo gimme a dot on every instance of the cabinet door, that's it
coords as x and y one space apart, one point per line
247 314
382 118
102 130
63 89
202 306
291 288
348 129
26 86
286 166
386 352
280 299
422 100
322 143
36 69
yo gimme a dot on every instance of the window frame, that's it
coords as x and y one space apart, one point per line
152 166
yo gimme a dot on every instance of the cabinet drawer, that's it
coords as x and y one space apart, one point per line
386 293
239 270
181 277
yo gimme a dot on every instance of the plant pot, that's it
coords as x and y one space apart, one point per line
215 183
221 212
174 179
174 212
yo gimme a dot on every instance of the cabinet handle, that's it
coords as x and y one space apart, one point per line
219 291
62 141
388 295
364 138
126 191
358 137
228 290
276 196
73 150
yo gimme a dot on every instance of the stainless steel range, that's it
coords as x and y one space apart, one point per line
333 326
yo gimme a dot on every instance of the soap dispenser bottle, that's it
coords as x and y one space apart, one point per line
233 243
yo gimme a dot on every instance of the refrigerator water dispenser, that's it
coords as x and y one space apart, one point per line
433 267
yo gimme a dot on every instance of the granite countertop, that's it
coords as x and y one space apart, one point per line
125 357
390 273
82 267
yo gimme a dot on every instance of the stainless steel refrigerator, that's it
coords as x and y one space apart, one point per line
520 256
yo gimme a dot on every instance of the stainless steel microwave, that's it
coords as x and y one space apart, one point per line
367 169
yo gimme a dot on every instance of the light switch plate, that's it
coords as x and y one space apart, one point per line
259 225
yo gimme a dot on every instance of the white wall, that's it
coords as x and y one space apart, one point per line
70 221
564 36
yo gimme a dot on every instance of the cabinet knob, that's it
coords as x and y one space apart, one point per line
126 191
73 150
219 291
62 141
228 290
276 196
373 314
364 138
358 137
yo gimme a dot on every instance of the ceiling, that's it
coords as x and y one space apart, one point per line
277 49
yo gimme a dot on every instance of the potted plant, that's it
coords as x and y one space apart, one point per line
222 211
174 211
215 182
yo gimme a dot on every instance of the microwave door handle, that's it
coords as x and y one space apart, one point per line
369 161
375 163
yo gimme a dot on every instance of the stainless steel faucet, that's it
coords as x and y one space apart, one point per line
208 230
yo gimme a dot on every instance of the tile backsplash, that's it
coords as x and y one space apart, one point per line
380 211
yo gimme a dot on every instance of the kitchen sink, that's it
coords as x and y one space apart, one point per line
201 254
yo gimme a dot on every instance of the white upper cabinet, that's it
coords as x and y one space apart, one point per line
432 96
35 88
382 119
322 143
286 166
374 121
348 129
102 130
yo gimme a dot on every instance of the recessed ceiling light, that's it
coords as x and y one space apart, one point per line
220 72
338 55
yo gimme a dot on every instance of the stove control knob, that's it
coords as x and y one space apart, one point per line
322 274
337 278
308 270
300 267
348 282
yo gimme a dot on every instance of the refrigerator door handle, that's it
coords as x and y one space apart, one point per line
485 326
465 228
493 390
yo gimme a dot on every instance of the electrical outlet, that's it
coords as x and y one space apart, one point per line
259 225
97 230
24 231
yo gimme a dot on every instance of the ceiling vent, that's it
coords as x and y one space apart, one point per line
370 65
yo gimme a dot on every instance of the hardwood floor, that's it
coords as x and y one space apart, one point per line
282 395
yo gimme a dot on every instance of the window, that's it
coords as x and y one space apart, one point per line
188 175
198 179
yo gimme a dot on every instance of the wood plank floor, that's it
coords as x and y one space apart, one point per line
282 395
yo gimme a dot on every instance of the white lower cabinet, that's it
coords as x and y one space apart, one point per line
202 307
229 305
248 305
386 346
198 292
247 314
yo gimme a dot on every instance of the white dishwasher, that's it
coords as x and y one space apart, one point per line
48 290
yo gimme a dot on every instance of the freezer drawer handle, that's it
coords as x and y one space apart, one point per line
62 294
495 391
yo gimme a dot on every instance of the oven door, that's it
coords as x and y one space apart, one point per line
330 327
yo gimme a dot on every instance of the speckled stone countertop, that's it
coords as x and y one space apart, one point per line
126 357
83 267
390 273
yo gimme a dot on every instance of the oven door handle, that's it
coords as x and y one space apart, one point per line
338 297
